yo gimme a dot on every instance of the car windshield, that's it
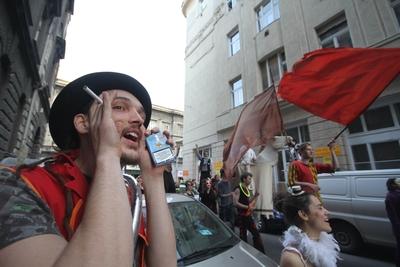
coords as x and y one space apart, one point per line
199 233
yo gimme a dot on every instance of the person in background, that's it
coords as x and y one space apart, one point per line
245 203
204 167
189 189
169 184
392 204
225 195
74 209
209 196
304 172
215 180
306 242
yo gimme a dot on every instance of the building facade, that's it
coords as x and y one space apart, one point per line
237 48
32 41
161 117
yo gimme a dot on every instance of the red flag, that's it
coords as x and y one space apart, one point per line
338 84
258 123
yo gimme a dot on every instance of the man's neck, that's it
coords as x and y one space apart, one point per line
86 166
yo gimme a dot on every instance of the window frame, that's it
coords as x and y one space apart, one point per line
282 68
235 90
328 26
395 4
261 16
370 137
232 42
231 4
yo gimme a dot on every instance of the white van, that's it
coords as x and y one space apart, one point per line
356 204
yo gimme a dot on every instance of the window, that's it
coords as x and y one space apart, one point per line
267 13
231 4
205 152
376 118
200 7
374 137
197 229
335 33
237 93
361 157
300 134
381 155
273 69
203 4
396 8
234 43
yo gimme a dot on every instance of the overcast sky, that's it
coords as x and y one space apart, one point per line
145 39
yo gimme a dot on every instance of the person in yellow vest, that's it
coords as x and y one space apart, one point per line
74 210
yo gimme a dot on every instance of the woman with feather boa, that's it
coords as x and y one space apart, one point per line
306 242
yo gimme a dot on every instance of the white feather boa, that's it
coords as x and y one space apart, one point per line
321 253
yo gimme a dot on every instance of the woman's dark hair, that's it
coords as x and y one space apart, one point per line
391 184
290 205
73 141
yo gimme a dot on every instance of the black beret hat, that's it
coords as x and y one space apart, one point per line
73 100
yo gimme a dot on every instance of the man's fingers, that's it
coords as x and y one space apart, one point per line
154 130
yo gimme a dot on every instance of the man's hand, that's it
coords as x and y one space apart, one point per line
145 162
332 144
104 135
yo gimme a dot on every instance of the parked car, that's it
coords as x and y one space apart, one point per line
202 239
355 200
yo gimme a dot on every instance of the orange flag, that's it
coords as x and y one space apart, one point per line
258 123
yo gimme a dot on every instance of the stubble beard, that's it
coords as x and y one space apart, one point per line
130 158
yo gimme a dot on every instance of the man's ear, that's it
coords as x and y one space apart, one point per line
81 123
302 215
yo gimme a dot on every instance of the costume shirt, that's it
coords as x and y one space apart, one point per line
302 172
23 213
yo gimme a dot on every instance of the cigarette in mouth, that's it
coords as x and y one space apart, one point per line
93 95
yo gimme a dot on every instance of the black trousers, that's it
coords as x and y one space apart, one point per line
246 223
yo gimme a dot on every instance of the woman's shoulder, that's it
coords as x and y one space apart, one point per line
291 257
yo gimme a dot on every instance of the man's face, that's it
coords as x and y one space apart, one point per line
247 180
128 115
307 153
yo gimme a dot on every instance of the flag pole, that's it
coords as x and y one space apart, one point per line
338 134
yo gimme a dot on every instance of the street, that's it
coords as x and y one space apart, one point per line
372 256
